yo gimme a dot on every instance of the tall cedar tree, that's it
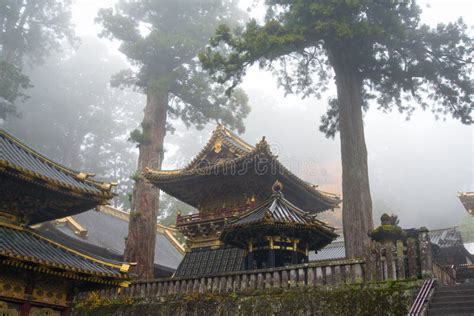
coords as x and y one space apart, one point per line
161 38
29 31
376 49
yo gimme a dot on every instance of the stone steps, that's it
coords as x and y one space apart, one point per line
455 299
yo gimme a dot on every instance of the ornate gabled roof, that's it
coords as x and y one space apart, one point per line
21 246
227 160
467 199
21 160
222 144
280 216
279 210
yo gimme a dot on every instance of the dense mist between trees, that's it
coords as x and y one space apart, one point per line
73 115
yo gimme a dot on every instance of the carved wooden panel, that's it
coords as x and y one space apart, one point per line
9 309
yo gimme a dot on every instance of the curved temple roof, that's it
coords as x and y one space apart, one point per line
276 211
16 156
23 245
35 189
107 230
224 156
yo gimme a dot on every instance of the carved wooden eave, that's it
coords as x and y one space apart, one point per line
278 216
237 168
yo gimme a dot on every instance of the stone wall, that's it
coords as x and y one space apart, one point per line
388 298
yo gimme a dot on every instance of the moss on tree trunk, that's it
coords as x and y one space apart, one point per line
140 244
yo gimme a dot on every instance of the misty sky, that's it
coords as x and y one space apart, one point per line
416 166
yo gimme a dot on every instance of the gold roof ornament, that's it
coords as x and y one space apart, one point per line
277 187
218 146
240 159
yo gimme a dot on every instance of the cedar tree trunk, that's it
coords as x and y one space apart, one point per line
140 244
357 203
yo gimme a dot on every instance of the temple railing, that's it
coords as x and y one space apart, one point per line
444 274
309 274
227 212
406 259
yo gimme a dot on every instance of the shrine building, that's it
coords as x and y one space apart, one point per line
253 212
39 276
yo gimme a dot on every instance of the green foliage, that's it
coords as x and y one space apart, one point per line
29 31
12 84
395 57
162 38
390 298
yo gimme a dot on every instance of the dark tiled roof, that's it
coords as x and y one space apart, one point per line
26 245
334 250
109 232
259 162
21 158
280 210
208 261
446 237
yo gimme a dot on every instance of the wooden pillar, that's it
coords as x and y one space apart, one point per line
250 263
306 258
25 309
294 255
66 312
271 254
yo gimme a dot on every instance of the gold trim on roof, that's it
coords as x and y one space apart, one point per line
29 174
31 231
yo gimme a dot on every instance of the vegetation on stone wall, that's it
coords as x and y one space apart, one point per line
388 298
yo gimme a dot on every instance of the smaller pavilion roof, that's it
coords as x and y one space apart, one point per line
278 212
24 247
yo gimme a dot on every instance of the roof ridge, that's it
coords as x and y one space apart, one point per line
53 164
222 132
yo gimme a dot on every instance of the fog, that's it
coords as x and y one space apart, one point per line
416 166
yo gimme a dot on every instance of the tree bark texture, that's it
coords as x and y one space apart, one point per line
140 244
357 203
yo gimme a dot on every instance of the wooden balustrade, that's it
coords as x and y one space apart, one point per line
227 212
444 275
385 260
309 274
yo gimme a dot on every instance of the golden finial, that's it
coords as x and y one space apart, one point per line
218 146
84 175
277 187
262 143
